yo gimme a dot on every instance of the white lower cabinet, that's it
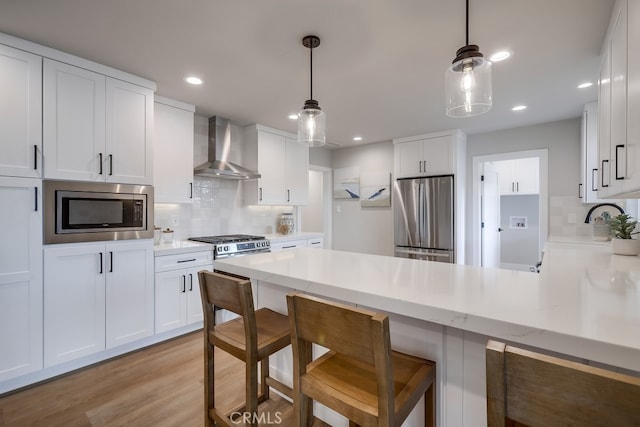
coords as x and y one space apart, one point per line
97 296
20 277
177 290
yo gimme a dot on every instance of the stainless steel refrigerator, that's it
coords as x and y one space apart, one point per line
423 217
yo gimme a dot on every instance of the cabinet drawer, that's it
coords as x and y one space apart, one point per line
290 244
188 260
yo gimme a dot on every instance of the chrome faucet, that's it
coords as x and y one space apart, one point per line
587 220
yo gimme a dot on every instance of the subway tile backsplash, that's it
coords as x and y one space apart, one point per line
561 207
217 209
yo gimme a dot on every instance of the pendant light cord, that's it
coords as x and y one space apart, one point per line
311 71
467 37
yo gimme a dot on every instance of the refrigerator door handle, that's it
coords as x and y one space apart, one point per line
420 253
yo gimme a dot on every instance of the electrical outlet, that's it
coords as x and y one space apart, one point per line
175 221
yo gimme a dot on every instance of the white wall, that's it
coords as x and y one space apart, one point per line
312 214
561 139
358 229
519 246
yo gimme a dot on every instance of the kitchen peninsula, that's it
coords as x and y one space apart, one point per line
584 305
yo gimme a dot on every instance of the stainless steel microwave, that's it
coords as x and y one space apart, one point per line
92 211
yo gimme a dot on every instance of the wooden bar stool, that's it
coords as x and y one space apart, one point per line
360 377
253 337
525 388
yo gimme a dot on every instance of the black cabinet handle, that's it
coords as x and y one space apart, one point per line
602 175
579 191
110 164
190 282
513 187
36 198
593 179
35 157
420 166
180 261
100 163
184 283
191 190
288 247
517 186
110 261
618 147
288 195
100 262
260 195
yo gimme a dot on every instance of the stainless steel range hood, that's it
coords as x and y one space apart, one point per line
221 138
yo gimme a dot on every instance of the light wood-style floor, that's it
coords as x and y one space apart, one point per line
158 386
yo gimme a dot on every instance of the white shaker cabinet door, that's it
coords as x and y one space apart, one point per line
129 126
409 158
74 294
271 166
20 113
20 277
129 291
171 292
73 123
297 172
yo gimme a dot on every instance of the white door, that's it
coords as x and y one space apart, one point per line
74 316
490 211
297 172
129 291
20 277
194 303
129 125
271 161
20 113
171 308
73 122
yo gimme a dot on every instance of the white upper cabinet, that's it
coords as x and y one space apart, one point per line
20 113
426 155
518 176
619 105
129 130
591 178
173 151
20 277
96 128
283 164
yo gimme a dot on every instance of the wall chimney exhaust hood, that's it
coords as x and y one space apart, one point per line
221 137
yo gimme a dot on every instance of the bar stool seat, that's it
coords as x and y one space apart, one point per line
252 338
360 376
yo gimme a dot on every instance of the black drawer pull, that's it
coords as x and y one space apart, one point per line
180 261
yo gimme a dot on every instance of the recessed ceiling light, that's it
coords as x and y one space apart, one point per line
293 116
585 85
193 80
357 138
500 56
519 108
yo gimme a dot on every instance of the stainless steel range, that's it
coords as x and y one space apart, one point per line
235 244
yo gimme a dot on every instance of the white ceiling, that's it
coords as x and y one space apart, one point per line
378 72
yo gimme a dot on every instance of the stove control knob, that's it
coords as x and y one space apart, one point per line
226 248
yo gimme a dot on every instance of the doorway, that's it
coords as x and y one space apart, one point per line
510 209
316 216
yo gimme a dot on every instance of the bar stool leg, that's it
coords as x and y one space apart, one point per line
251 406
209 382
264 373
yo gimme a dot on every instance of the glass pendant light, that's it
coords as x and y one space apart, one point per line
468 81
311 119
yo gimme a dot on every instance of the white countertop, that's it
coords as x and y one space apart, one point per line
180 247
585 302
